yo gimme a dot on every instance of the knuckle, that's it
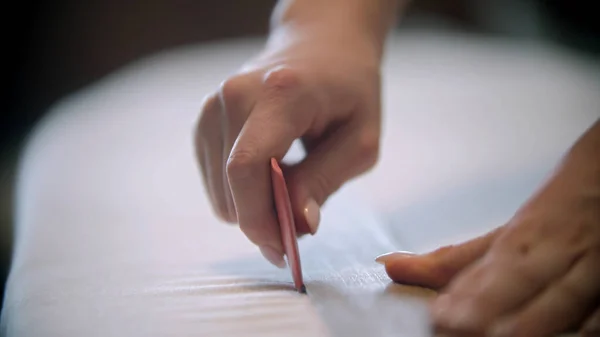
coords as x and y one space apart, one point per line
281 79
520 268
518 239
526 274
240 164
232 90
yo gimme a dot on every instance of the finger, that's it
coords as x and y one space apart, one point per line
591 327
237 101
501 281
437 268
345 153
209 144
561 306
283 113
341 151
199 146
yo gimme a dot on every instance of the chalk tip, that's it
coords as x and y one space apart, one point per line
302 289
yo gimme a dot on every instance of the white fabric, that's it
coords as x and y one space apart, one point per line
116 238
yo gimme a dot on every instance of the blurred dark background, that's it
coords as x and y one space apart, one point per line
54 47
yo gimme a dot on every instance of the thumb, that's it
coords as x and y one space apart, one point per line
339 157
436 269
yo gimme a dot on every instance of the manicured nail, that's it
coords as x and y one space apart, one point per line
312 214
273 256
385 258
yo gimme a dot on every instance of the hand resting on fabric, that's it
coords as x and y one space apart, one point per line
537 275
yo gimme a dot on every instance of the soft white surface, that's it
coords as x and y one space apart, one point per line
115 236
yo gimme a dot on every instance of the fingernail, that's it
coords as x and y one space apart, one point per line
312 214
503 329
385 258
273 256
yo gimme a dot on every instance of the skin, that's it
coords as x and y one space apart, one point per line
537 275
318 80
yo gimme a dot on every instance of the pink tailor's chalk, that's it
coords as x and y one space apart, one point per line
286 224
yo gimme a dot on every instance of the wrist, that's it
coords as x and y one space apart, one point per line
355 23
581 166
309 39
577 177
